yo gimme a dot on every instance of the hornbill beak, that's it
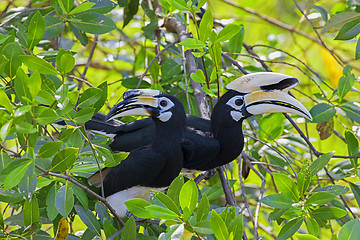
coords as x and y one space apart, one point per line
142 102
268 92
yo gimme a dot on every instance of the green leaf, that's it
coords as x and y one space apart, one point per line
48 149
320 198
105 155
203 208
80 195
103 6
327 213
346 82
322 11
198 76
38 64
208 91
322 112
286 186
89 219
108 228
129 230
53 27
5 159
25 128
64 159
178 4
236 226
189 195
218 226
98 105
47 117
334 189
15 176
66 5
228 32
21 83
94 23
27 185
137 207
5 130
193 43
353 147
357 50
320 163
277 200
166 201
349 30
290 228
174 189
66 64
5 101
51 209
236 42
34 84
1 221
350 230
271 131
203 227
352 110
89 97
84 115
338 20
312 226
12 52
206 25
65 200
161 212
36 30
356 191
31 211
303 178
82 8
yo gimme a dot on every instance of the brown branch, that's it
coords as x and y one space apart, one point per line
226 186
230 59
91 54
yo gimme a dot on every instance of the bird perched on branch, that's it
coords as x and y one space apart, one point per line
220 140
149 167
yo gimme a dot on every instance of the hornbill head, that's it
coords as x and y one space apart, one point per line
259 93
148 102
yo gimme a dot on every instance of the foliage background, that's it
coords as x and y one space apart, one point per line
38 186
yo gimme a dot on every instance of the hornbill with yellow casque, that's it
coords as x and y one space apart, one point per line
220 140
149 167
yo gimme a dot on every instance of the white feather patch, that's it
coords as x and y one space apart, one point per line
236 115
164 117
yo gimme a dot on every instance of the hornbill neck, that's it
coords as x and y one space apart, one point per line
231 139
168 135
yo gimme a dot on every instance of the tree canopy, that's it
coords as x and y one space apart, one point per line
65 60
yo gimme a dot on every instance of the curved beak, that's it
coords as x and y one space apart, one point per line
274 101
135 105
268 92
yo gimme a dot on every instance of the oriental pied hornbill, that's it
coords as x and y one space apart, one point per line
220 140
153 166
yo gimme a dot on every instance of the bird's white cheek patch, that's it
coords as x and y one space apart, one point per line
236 115
164 117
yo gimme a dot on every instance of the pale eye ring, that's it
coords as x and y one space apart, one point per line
163 103
239 102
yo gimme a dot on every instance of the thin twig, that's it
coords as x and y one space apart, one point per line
226 186
227 57
91 54
153 60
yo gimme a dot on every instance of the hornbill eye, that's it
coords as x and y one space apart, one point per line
239 102
163 103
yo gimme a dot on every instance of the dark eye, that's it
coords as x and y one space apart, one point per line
163 103
239 102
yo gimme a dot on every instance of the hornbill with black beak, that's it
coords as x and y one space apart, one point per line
149 167
220 140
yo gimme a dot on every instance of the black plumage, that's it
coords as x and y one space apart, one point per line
153 166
